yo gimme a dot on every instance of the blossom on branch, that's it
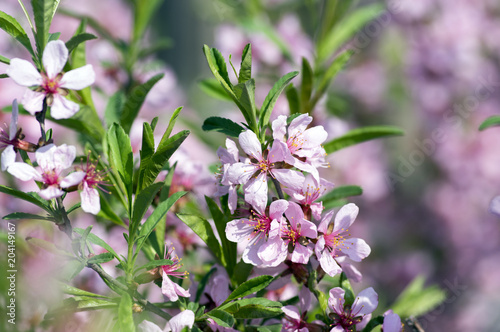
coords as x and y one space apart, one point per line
345 318
52 84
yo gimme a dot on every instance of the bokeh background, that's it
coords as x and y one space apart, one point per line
431 67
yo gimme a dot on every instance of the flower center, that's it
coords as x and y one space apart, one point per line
261 224
50 85
50 178
290 234
295 143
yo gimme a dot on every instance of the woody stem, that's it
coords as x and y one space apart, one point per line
40 117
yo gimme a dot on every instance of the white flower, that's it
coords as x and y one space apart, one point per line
52 84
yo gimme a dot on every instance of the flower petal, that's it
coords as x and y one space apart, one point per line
239 173
299 125
13 120
51 192
238 230
301 254
277 208
78 78
314 137
365 302
328 264
181 320
90 199
250 144
54 58
323 225
392 322
345 217
291 179
147 326
24 73
356 249
273 252
256 190
33 101
23 171
63 108
336 300
279 128
8 157
72 179
291 311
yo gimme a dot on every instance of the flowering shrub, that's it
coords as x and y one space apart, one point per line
267 222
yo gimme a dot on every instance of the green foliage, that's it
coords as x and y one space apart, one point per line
30 197
43 11
214 89
492 121
102 258
98 241
249 287
246 65
417 299
203 229
125 319
85 121
221 317
78 39
13 28
360 135
336 196
222 125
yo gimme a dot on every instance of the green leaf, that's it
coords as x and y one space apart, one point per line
306 86
221 317
135 100
107 212
125 318
360 135
172 121
4 60
13 28
341 192
335 67
241 272
78 39
22 215
43 10
71 269
222 125
346 286
31 197
346 29
102 258
98 241
492 121
157 216
233 307
293 99
245 95
217 65
85 121
253 311
121 156
270 328
48 246
220 221
54 36
249 287
142 202
246 64
153 264
70 290
213 88
82 303
203 229
272 97
144 10
151 167
417 299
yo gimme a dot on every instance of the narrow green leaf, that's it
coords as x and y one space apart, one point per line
335 67
270 328
249 287
102 258
31 197
346 29
306 86
144 10
70 290
213 88
48 246
4 60
222 318
78 39
13 28
492 121
143 201
222 125
272 97
43 11
22 215
241 272
135 100
54 36
349 292
107 212
417 299
71 269
82 303
121 156
342 192
203 229
360 135
246 64
245 94
293 99
114 108
85 121
157 216
98 241
254 311
153 264
172 121
125 318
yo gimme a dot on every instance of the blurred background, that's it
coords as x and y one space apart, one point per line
431 67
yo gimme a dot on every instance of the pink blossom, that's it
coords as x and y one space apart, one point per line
293 232
89 195
228 157
52 84
335 240
392 322
175 324
295 317
253 173
307 195
257 228
52 161
169 288
357 315
302 143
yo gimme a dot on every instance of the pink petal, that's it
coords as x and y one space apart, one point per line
73 179
33 101
356 249
280 152
250 144
256 190
13 120
45 157
64 155
233 198
240 173
314 137
238 230
294 214
78 78
365 302
51 192
350 270
8 157
317 210
273 252
328 264
392 322
63 108
301 254
24 73
336 300
279 128
277 208
24 172
147 326
90 200
54 58
299 125
345 217
323 225
292 311
171 290
308 229
181 320
305 297
250 254
290 179
337 328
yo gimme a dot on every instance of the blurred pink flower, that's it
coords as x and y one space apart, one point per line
169 288
357 315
